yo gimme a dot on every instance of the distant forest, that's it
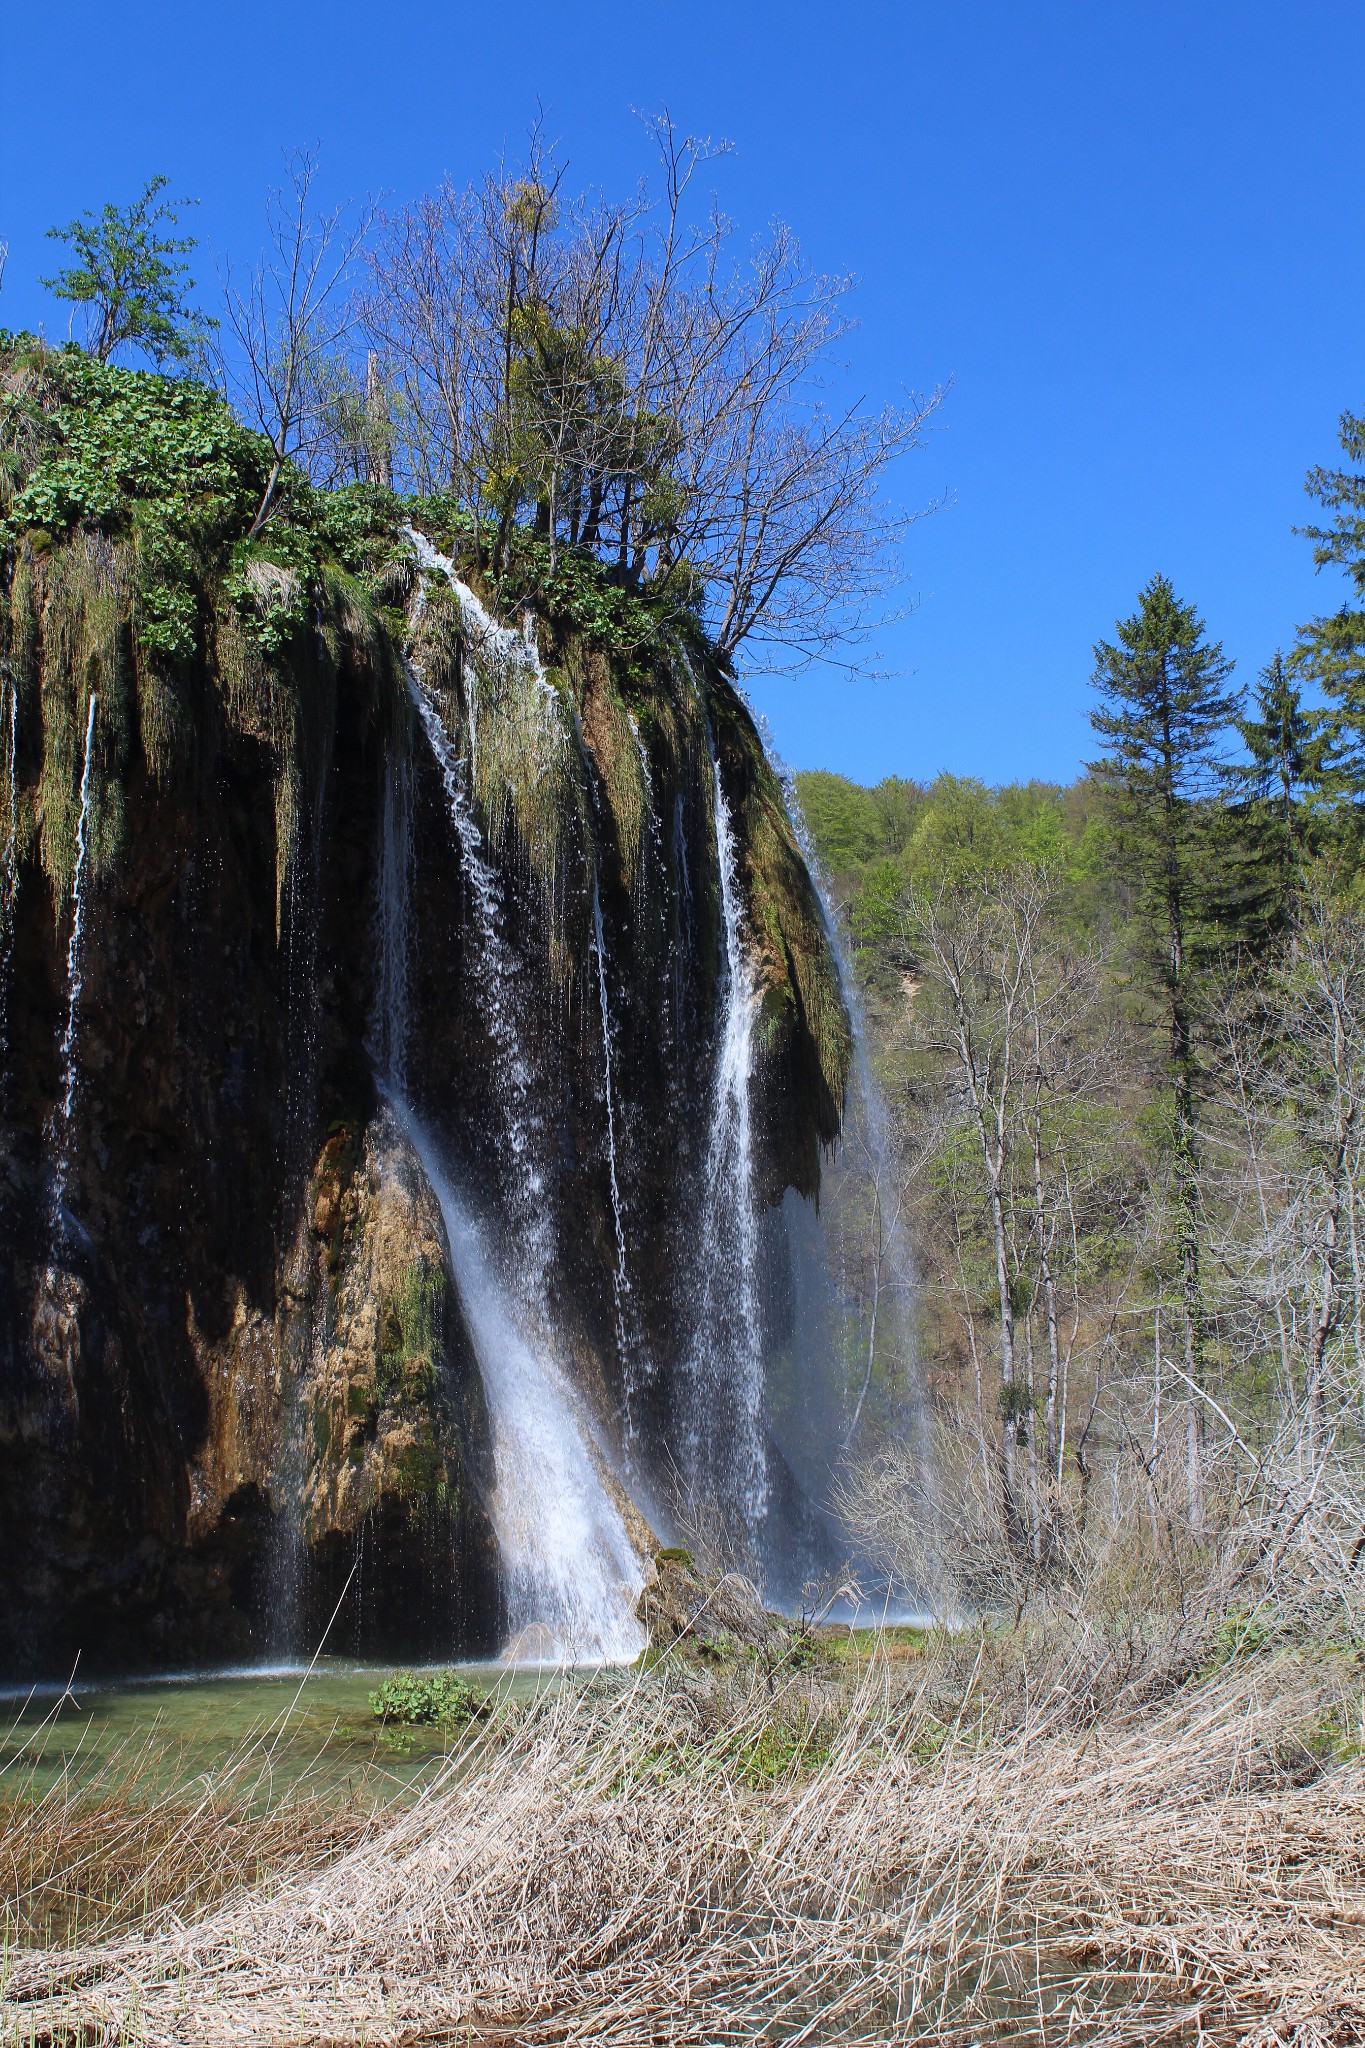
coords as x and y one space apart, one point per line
1120 1029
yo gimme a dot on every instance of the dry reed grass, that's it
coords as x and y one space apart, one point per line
939 1852
101 1850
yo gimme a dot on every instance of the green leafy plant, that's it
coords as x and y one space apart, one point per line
412 1698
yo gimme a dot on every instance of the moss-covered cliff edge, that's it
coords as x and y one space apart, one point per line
233 1363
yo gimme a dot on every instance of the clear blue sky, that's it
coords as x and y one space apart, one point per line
1128 232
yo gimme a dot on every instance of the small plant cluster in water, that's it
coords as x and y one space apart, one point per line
412 1697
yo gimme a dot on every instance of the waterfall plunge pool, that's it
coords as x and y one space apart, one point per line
273 1730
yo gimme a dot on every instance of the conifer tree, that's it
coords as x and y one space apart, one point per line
1332 648
1164 706
1290 759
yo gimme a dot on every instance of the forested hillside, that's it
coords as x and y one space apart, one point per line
1120 1027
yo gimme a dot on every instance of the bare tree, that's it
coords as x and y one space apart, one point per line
292 318
1018 1015
1288 1186
619 376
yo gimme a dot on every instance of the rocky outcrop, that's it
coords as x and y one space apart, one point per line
238 1400
390 1442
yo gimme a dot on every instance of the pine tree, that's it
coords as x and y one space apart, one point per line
1332 648
1164 706
1290 762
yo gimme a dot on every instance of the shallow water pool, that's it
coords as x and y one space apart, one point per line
271 1732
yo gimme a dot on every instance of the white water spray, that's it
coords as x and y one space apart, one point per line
570 1572
74 978
620 1280
724 1440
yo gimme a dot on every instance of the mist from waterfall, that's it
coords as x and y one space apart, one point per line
849 1341
74 983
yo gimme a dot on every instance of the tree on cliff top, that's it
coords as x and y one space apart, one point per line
615 374
131 280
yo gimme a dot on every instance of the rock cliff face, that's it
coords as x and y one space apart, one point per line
237 1388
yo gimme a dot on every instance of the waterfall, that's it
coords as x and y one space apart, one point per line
570 1572
867 1136
61 1161
395 869
724 1453
619 1280
495 967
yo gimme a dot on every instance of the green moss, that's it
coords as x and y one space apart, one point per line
418 1472
411 1319
126 531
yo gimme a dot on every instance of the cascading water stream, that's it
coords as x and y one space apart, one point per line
74 979
724 1448
571 1574
495 969
620 1279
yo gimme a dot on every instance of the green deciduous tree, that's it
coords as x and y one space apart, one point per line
1164 707
130 278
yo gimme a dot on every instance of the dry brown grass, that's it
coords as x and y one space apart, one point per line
100 1851
954 1854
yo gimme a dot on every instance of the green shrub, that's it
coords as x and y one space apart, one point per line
410 1697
